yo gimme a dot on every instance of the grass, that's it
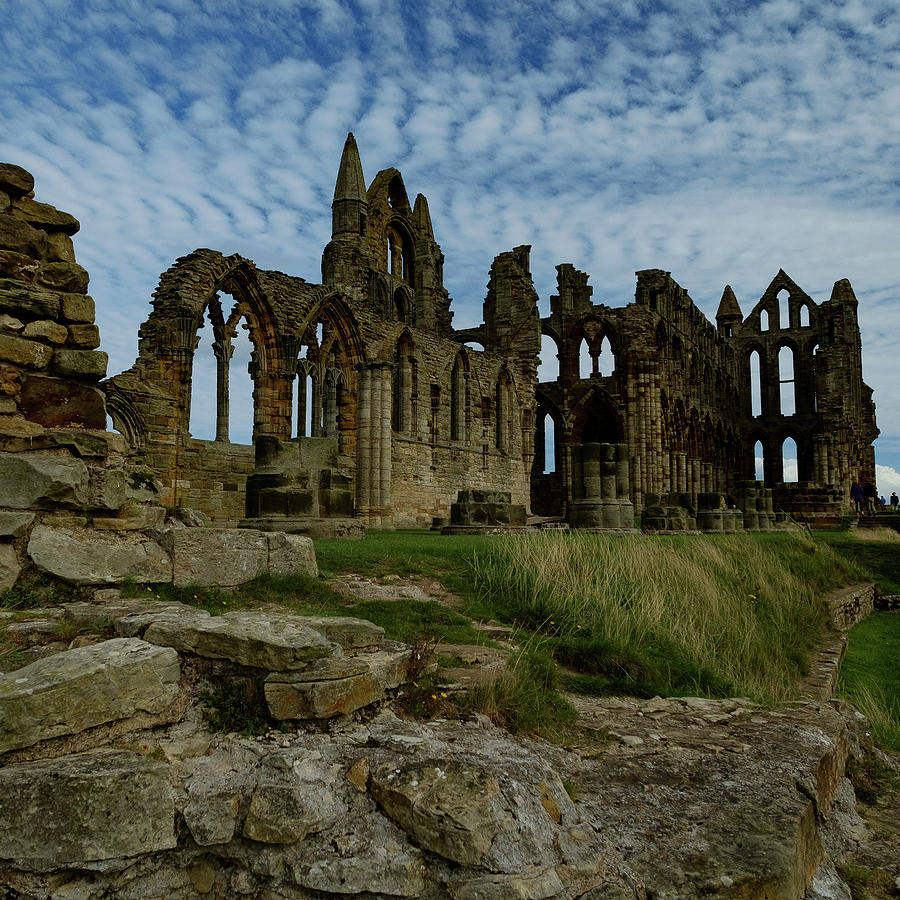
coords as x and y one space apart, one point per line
713 615
869 678
412 621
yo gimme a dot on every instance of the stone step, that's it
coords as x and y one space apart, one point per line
70 692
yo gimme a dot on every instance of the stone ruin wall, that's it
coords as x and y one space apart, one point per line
405 417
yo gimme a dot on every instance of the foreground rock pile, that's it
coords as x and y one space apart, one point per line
113 785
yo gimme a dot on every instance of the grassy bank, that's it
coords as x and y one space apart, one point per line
714 615
869 678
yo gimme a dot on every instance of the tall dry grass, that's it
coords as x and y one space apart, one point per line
735 614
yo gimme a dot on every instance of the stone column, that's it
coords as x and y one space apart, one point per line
364 441
301 403
608 471
315 427
331 405
223 352
622 479
384 447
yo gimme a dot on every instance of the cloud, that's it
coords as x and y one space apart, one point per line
718 142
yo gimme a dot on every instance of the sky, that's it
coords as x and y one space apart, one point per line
717 141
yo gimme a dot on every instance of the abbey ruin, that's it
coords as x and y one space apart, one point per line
370 409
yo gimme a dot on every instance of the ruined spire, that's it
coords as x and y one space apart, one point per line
842 292
350 208
422 217
350 183
729 308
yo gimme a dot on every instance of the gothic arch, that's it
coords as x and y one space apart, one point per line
596 419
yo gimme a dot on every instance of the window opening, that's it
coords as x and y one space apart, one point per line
759 461
606 361
755 384
789 473
784 309
787 394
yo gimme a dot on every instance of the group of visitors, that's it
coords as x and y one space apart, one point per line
867 502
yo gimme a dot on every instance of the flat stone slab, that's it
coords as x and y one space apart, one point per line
31 481
214 556
90 557
85 807
338 685
273 641
69 692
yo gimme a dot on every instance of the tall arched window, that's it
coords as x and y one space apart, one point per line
804 316
784 309
223 375
585 362
759 461
606 360
787 398
789 472
763 320
549 367
755 384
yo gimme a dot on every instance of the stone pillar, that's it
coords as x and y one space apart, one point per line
586 469
622 480
223 352
364 441
608 471
315 427
331 411
384 443
301 404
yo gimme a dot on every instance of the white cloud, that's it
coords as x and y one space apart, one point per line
718 142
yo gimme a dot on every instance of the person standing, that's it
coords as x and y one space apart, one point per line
895 501
856 496
870 494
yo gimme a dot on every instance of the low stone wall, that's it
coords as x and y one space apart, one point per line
849 605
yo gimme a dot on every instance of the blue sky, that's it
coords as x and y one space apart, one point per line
717 141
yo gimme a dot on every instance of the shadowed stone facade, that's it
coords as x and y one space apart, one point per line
370 409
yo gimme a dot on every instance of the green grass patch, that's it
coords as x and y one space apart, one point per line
712 615
869 678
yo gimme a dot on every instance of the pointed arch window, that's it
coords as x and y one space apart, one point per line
227 375
787 393
763 320
784 309
755 384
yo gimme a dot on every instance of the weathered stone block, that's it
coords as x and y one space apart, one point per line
65 811
93 558
293 798
10 324
64 276
291 554
27 301
321 699
17 266
86 336
23 352
55 403
15 524
15 180
346 631
21 237
109 488
79 689
43 482
86 364
45 216
60 247
9 566
449 809
272 641
225 557
46 330
77 307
